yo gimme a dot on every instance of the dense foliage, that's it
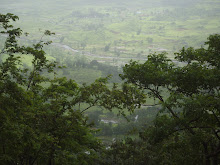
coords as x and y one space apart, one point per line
186 131
42 120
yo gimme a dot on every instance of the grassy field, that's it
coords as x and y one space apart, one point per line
120 30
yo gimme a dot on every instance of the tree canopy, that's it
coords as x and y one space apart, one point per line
186 131
41 119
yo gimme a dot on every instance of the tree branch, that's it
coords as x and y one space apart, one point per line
93 104
216 117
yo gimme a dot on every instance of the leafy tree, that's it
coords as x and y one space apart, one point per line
187 129
107 47
42 120
149 40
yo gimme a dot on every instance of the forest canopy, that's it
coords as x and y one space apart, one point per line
42 119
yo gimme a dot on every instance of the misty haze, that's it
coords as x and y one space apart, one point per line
109 82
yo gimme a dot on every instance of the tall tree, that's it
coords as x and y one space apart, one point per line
187 132
41 119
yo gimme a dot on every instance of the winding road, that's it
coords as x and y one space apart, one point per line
102 56
93 55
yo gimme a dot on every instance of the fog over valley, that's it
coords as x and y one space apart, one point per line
109 82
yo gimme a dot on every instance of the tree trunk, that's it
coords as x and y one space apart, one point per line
207 158
51 158
215 160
